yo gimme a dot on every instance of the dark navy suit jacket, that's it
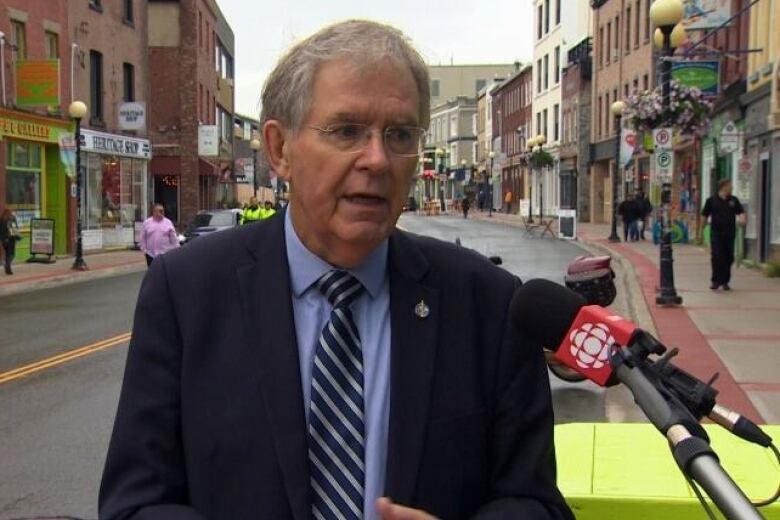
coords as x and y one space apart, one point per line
211 421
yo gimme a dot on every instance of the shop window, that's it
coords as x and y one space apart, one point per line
23 181
115 195
19 39
52 43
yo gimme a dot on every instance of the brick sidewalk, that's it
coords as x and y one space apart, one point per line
34 276
734 333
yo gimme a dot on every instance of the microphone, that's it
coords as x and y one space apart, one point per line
587 338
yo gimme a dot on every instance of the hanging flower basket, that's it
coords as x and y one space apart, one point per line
541 159
689 111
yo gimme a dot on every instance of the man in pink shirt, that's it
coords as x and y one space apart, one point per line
158 234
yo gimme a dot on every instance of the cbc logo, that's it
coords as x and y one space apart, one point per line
590 345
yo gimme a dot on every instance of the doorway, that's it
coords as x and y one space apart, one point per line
765 208
166 192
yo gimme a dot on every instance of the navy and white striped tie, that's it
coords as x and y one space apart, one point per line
336 425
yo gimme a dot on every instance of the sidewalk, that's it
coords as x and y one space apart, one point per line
734 333
34 276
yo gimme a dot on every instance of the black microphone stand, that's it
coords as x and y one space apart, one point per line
670 415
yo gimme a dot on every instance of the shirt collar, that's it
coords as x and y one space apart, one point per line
306 267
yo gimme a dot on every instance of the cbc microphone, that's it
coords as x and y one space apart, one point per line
584 337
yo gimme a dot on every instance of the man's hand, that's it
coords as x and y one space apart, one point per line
389 511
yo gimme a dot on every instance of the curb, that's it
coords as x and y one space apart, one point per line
59 280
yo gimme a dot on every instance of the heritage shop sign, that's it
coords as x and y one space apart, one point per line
100 142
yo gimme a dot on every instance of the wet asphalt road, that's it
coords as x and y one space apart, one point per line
56 423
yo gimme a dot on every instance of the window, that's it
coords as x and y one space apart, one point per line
538 122
435 87
19 41
609 42
646 82
546 16
557 12
556 117
200 29
539 25
544 123
546 71
628 28
635 85
617 36
557 65
97 5
601 46
128 75
201 102
481 84
538 75
647 19
625 91
96 85
52 44
636 26
129 18
598 119
606 113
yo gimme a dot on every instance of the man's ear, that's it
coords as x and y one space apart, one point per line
277 148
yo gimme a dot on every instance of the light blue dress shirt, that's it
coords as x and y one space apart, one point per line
371 312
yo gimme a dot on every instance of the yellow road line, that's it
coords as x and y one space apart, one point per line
65 357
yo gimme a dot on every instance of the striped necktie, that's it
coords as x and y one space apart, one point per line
336 425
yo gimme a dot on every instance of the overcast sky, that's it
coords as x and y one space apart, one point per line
461 31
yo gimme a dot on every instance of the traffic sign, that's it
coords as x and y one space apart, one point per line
664 161
662 138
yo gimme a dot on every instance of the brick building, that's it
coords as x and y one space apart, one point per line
191 74
575 129
33 181
512 101
622 63
110 75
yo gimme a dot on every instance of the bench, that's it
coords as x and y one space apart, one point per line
626 471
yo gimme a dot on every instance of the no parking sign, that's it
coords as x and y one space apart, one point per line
664 154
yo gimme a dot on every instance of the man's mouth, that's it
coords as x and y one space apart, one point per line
365 199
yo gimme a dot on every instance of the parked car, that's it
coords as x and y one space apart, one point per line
210 221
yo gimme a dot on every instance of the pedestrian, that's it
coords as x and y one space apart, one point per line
724 211
253 212
158 234
645 211
9 236
508 201
307 365
481 200
465 205
268 210
628 210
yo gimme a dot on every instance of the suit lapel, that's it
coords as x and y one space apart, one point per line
413 352
270 330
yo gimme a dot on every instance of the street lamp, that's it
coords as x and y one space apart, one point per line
540 142
254 144
617 111
443 153
488 192
666 15
78 110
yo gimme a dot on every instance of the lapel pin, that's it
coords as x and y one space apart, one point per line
422 310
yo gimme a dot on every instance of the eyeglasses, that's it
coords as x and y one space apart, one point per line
402 141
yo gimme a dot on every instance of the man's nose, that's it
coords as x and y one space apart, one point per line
374 154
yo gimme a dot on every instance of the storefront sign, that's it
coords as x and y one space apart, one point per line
208 141
100 142
42 236
567 224
627 145
664 154
704 75
730 138
27 130
37 83
706 14
132 115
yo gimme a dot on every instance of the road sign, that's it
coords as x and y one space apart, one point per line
664 161
662 138
730 138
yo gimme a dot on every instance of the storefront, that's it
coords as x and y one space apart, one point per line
33 181
116 190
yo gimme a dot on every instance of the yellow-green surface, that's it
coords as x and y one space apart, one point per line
626 471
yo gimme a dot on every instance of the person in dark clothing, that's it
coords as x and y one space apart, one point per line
645 210
629 212
9 234
723 211
465 205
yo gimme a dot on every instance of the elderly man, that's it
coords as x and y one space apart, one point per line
377 376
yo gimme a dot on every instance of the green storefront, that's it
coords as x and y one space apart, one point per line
34 181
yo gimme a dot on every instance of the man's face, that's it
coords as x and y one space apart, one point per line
726 190
158 212
344 204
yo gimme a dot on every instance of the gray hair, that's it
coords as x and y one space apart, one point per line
287 92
